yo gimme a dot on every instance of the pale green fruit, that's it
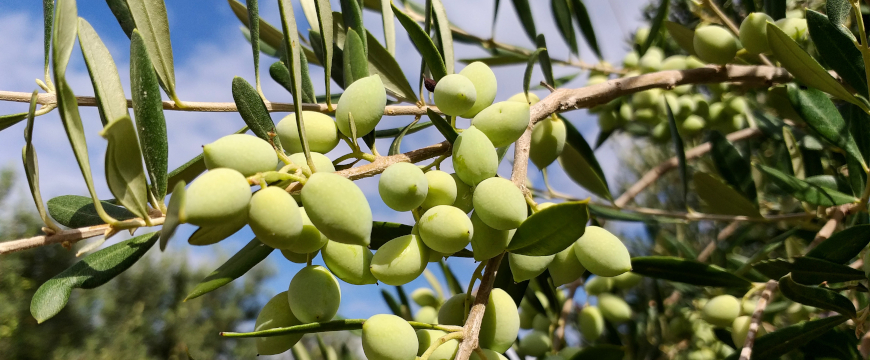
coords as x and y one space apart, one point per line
717 112
350 263
276 314
641 35
701 354
686 106
613 308
425 297
445 229
527 267
485 85
692 125
647 116
365 100
753 33
321 162
474 157
311 239
535 343
591 322
400 260
388 337
442 189
607 121
740 327
403 186
627 280
298 258
541 323
630 60
714 44
320 131
721 311
426 314
215 198
527 318
455 94
464 195
501 322
598 285
596 79
565 267
646 99
487 242
500 204
338 208
568 352
675 62
452 311
692 62
794 28
602 253
503 122
661 132
489 354
314 294
274 218
747 306
736 105
521 97
652 60
548 140
625 113
445 351
244 153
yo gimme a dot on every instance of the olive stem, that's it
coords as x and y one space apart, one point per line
471 330
334 325
474 276
73 235
436 163
746 352
441 341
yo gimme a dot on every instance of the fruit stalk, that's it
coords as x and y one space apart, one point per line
471 330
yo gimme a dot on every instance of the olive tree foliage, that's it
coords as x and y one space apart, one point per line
750 116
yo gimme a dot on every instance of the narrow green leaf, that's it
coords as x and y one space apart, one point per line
859 127
682 35
524 11
837 48
355 63
498 60
254 112
843 246
31 164
452 283
124 172
679 149
806 69
551 230
406 305
443 126
600 352
92 271
309 9
395 146
173 214
736 170
47 22
816 296
608 213
808 270
444 34
353 19
385 65
544 59
383 231
527 76
214 234
720 198
794 152
656 25
268 33
151 21
122 14
394 306
389 27
66 20
782 341
7 121
264 48
685 271
805 191
562 16
822 115
254 23
111 101
773 268
494 18
391 133
579 162
325 23
249 256
504 279
187 171
838 11
75 211
423 43
294 64
585 23
308 95
148 109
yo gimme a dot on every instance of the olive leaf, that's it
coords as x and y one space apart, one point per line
822 115
656 27
837 48
111 101
208 235
562 16
150 122
736 170
253 111
351 13
391 133
524 11
444 35
395 146
239 264
579 162
551 230
679 149
355 63
294 64
843 246
264 48
394 306
816 296
151 22
805 191
324 23
443 126
544 60
7 121
124 172
75 211
92 271
173 214
527 76
585 23
63 36
720 198
187 171
838 11
254 31
682 35
685 271
122 13
389 27
268 33
383 231
31 165
423 43
452 283
784 340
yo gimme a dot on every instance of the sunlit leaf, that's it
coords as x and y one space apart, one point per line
843 246
838 11
423 43
685 271
551 230
355 62
527 77
720 198
63 36
682 35
562 16
75 211
816 296
294 64
353 19
111 101
151 21
249 256
389 27
173 214
391 133
805 191
524 11
837 48
445 36
124 172
148 109
47 23
822 115
579 162
585 23
544 59
254 112
31 165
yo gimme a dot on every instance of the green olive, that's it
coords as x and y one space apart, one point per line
527 267
627 280
474 157
338 208
276 314
753 33
350 263
216 197
320 131
503 122
246 154
426 314
613 308
314 294
445 351
403 186
535 343
714 44
400 260
501 322
721 311
321 162
365 101
425 297
455 94
487 242
521 97
388 337
565 267
298 258
485 84
630 60
602 253
674 62
464 195
500 204
442 189
598 285
591 322
445 229
275 219
548 140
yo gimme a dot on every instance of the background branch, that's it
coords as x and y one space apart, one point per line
746 352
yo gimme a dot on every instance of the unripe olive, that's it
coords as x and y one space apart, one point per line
276 314
487 242
630 60
602 253
753 33
596 79
674 62
500 204
591 322
652 60
686 105
400 260
740 327
298 258
244 153
527 318
503 122
535 343
403 186
714 44
661 132
625 112
426 314
607 121
794 28
445 351
565 267
501 322
485 85
489 354
216 197
338 208
598 285
717 112
736 105
721 311
350 263
541 323
613 308
320 131
445 229
647 116
521 97
425 297
474 157
452 311
464 195
692 125
747 306
365 100
548 140
640 35
692 62
646 99
314 294
321 162
527 267
388 337
455 94
627 280
441 190
568 352
701 354
274 218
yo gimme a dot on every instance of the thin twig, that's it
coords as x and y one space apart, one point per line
746 353
69 237
472 326
559 334
723 234
836 216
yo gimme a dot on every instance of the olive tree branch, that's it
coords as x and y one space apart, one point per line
472 325
559 334
755 322
71 236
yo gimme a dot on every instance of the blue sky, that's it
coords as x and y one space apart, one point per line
209 51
